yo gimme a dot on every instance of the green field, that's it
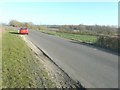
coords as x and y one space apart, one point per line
78 37
20 68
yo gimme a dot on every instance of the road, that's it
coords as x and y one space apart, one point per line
93 67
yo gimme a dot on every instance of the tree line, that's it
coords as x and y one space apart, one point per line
77 29
29 25
87 29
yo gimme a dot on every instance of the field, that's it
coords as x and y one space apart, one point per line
1 29
82 38
20 68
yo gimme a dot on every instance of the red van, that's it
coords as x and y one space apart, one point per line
23 31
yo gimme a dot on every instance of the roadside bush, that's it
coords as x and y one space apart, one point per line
108 42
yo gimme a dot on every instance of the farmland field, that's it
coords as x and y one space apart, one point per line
83 38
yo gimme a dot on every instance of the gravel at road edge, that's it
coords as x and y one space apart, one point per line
61 79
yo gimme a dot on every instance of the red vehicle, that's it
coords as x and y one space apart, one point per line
23 31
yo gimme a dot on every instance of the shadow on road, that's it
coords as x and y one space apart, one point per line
92 45
16 33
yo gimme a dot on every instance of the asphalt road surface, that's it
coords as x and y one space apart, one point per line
93 67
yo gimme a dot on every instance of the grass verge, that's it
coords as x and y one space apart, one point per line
20 68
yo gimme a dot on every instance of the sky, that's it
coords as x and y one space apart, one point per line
88 13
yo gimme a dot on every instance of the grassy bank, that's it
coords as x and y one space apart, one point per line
20 68
83 38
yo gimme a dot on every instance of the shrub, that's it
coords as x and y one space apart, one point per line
109 42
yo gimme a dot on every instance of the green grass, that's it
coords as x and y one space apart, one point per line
1 58
20 68
82 38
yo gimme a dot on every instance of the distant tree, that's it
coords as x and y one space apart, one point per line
30 23
26 25
15 23
82 27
